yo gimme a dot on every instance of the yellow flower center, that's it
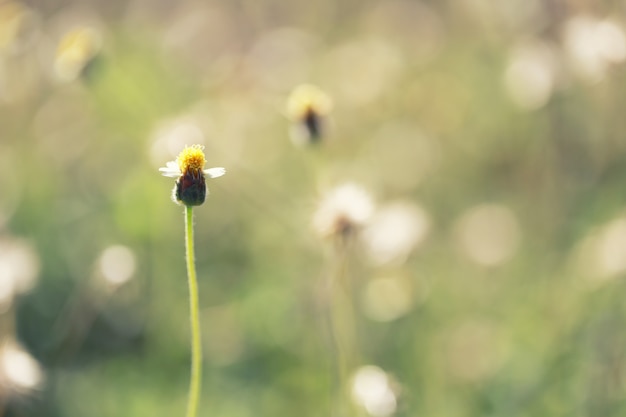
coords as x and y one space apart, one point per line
308 98
191 159
80 44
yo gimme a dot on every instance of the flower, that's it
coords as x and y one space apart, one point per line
188 167
307 106
394 231
343 211
76 52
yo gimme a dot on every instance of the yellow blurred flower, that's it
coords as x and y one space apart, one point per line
76 51
307 107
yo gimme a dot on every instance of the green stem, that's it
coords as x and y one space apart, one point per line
343 330
194 314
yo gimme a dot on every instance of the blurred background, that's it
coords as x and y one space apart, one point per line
474 153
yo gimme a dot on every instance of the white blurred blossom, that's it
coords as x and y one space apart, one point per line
373 389
593 45
343 210
394 231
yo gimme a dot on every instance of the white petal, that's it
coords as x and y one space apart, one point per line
171 174
215 172
171 170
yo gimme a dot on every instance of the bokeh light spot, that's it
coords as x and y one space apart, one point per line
19 371
488 234
117 264
372 389
387 298
530 75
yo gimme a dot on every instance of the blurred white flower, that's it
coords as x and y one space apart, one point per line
20 373
593 45
342 211
394 231
488 234
373 390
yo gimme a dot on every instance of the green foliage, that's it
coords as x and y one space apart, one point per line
422 114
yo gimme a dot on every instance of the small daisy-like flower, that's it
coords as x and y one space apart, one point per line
307 107
188 167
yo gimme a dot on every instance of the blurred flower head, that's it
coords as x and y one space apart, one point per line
593 46
373 389
343 211
77 50
307 108
394 231
190 188
20 373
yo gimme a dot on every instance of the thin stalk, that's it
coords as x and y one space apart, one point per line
194 314
343 328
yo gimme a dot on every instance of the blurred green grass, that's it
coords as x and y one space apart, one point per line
422 114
